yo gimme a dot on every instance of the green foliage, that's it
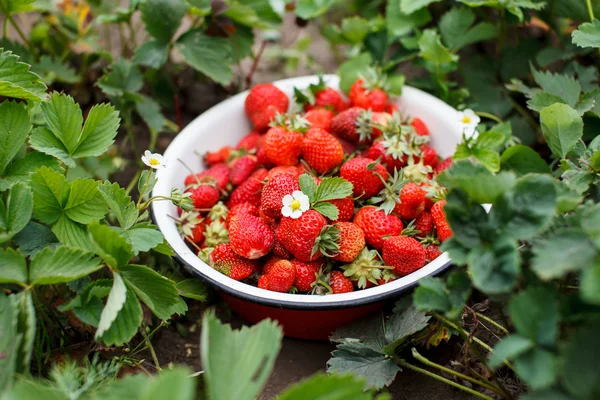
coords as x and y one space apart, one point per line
16 80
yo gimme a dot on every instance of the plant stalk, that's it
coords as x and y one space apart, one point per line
489 116
590 10
491 321
20 32
151 348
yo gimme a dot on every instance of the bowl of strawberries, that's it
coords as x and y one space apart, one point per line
310 207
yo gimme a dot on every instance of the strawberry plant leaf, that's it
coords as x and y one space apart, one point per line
193 289
61 264
126 323
587 34
535 314
590 223
72 233
109 245
488 158
87 305
119 203
562 127
124 77
153 54
99 131
16 80
432 49
566 251
162 17
33 238
537 367
495 269
84 203
10 341
142 237
150 112
510 347
156 291
541 100
369 331
114 304
523 160
20 169
308 9
328 210
16 6
14 128
237 363
563 86
490 140
308 186
457 30
63 117
590 284
146 182
50 192
51 69
210 55
175 384
354 29
333 188
327 387
410 6
449 298
400 23
16 208
580 356
350 70
25 323
43 140
404 322
13 268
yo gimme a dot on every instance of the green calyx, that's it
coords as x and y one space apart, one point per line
364 125
204 254
216 233
291 122
308 96
390 194
188 221
374 78
366 267
218 211
327 241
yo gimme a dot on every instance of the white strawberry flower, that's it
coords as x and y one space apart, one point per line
154 160
295 204
468 121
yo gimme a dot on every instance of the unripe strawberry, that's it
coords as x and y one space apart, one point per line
250 237
403 253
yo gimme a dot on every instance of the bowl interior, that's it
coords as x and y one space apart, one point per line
225 124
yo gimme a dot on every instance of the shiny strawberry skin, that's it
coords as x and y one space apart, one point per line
306 273
293 171
282 146
282 276
444 165
442 227
344 125
420 127
345 208
263 282
430 157
242 168
329 99
263 103
204 196
424 223
412 201
226 261
250 237
250 190
366 183
298 235
403 253
249 142
379 151
241 209
351 241
374 99
269 263
376 225
339 283
274 191
321 150
320 118
432 252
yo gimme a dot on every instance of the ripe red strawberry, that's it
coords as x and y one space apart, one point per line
219 172
216 157
432 252
269 263
242 168
283 146
299 236
379 118
250 190
353 125
274 191
250 236
282 276
263 103
429 156
226 261
319 118
241 209
373 98
442 227
306 274
392 108
391 161
204 195
329 99
366 183
424 223
444 165
289 170
345 208
191 226
263 282
262 159
351 241
339 283
377 226
268 219
321 150
403 253
420 127
412 202
249 142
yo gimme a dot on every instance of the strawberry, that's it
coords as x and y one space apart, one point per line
345 208
368 95
392 108
442 227
321 150
226 261
380 120
269 263
242 168
282 276
339 283
391 160
263 103
289 170
307 237
366 182
306 274
250 190
353 125
366 269
204 195
403 253
219 172
329 99
424 224
319 118
283 142
250 237
241 209
191 226
249 142
216 157
386 276
268 219
412 202
377 225
420 127
262 159
263 282
432 252
274 191
351 241
429 156
444 165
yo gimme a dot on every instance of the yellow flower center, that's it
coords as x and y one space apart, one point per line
466 120
295 205
154 161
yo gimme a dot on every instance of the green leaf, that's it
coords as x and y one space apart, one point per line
237 363
210 55
375 367
509 348
43 140
16 6
150 112
351 70
25 325
432 49
17 81
126 324
192 288
308 186
404 322
146 182
587 34
563 86
119 203
52 69
111 246
114 304
590 223
10 341
565 251
61 264
63 117
433 295
562 127
15 210
124 77
88 306
537 367
153 54
333 188
21 169
50 192
85 204
156 291
142 237
355 29
541 100
328 210
308 9
72 234
14 128
410 6
399 23
174 384
580 360
33 238
488 158
369 331
494 269
457 30
99 131
327 387
490 140
590 284
162 17
523 160
535 315
13 268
